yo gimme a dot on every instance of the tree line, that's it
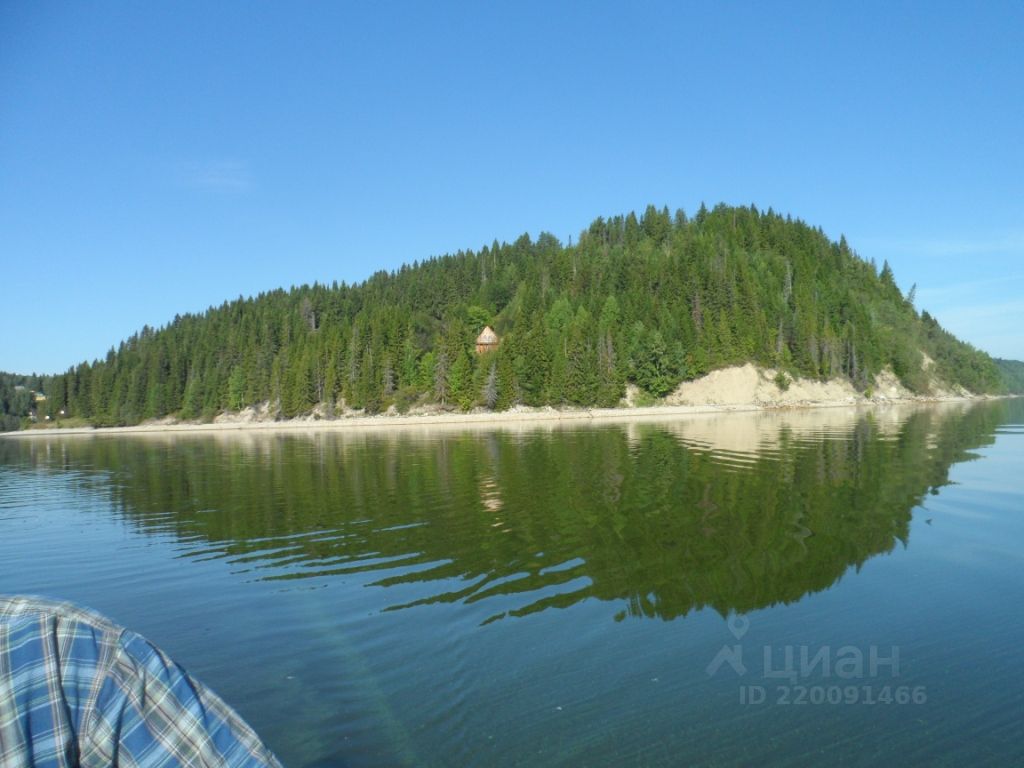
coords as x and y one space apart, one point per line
653 300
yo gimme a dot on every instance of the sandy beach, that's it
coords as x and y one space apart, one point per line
456 420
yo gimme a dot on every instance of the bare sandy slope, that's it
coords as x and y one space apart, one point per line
747 384
741 388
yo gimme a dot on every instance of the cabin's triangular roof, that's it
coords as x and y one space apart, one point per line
487 336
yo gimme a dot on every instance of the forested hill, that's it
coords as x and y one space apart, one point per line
653 300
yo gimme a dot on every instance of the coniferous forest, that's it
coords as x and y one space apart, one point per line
653 300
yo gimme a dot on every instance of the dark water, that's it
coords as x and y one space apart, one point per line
608 595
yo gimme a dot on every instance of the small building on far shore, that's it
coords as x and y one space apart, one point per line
487 341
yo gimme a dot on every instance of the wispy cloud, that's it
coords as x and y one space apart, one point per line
938 247
992 326
227 176
955 292
1011 311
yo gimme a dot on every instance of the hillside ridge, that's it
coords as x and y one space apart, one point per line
649 301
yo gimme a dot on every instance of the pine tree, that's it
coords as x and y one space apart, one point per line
508 386
442 388
489 393
236 389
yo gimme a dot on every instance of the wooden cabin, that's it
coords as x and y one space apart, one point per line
487 341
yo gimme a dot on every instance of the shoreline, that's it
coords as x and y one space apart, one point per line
497 419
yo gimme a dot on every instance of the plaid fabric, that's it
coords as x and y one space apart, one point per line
76 690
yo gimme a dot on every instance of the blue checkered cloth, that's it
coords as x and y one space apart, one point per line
76 690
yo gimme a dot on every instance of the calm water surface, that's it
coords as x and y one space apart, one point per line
592 595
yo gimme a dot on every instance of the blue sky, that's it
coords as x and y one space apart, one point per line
157 158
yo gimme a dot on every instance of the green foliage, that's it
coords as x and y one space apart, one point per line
644 399
17 399
657 366
652 300
906 364
489 392
782 381
405 398
1012 373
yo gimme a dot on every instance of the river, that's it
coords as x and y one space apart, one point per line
835 586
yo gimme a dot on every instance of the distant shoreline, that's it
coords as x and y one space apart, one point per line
498 418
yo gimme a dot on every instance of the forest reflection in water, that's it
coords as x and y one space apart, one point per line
735 512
